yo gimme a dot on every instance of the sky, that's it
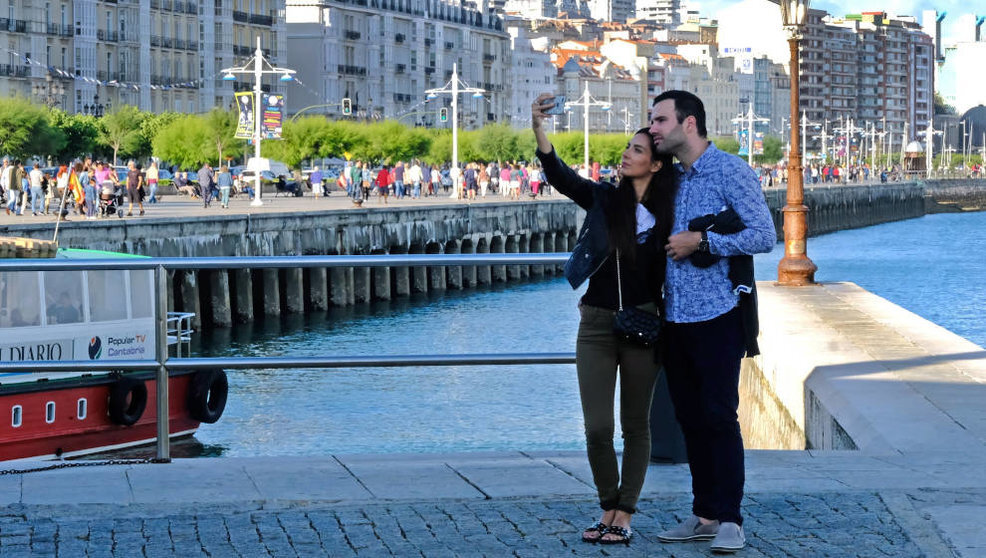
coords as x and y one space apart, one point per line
954 8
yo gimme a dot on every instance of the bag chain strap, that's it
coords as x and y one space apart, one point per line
619 280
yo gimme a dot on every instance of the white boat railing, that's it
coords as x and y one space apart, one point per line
179 328
176 325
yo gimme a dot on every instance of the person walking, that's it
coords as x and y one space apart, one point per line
225 183
620 252
206 182
37 194
152 179
135 181
709 325
316 179
397 174
383 183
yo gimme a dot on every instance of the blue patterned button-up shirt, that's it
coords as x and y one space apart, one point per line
716 181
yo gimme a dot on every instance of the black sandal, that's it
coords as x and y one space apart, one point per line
622 532
600 528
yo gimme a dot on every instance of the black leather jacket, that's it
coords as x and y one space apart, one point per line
592 247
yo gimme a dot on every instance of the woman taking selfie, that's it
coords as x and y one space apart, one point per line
620 251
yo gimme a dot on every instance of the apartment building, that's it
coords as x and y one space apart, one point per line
153 54
531 73
384 54
607 82
666 12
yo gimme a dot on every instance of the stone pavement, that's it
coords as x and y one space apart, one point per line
799 503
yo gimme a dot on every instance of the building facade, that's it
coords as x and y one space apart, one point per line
666 12
531 73
384 55
156 55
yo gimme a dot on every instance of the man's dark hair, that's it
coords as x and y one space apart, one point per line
686 104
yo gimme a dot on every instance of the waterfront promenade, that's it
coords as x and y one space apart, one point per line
907 392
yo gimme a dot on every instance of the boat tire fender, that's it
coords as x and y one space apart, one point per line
128 399
207 395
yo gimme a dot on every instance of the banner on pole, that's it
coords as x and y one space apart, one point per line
270 126
244 104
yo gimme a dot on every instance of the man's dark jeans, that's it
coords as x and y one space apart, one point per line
702 361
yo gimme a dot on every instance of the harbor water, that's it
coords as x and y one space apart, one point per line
934 266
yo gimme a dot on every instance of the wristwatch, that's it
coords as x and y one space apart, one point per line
703 245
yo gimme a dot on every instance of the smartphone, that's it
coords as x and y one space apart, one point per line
559 107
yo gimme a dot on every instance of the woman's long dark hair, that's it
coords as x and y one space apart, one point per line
621 212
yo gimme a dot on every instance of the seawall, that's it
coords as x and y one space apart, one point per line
303 226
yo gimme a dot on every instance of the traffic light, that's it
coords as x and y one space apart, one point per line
347 106
443 115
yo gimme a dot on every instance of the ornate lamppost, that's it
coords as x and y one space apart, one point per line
50 91
795 268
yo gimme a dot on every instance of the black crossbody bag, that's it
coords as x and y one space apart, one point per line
633 324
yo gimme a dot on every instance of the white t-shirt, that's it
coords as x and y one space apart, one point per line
35 176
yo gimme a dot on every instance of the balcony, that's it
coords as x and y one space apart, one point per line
56 29
242 50
488 58
111 36
258 19
353 35
399 38
107 76
13 25
402 98
352 70
155 40
241 17
449 45
429 70
429 42
13 70
191 8
401 68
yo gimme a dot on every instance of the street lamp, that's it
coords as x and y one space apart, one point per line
50 91
586 101
795 268
260 67
453 88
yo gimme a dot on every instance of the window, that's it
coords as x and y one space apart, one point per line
50 412
82 409
63 296
20 299
16 416
107 298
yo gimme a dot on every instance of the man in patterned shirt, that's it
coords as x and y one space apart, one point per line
705 336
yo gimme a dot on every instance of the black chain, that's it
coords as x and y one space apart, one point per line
71 464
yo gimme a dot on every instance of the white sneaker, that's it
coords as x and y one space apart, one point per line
730 538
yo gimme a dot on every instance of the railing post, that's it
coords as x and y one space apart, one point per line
161 355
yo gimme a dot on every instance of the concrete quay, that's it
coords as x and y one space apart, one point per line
850 369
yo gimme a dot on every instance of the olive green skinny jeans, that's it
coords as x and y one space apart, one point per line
598 354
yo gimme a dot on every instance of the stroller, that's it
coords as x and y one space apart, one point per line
110 200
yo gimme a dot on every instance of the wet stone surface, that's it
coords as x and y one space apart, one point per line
818 524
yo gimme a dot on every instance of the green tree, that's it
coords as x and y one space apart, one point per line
121 132
151 125
185 142
728 144
81 134
25 130
773 150
942 106
220 128
570 146
497 143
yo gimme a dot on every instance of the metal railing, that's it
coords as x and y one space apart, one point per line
176 324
